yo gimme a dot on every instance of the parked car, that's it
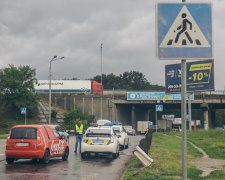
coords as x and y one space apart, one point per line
100 140
130 130
37 142
60 132
122 135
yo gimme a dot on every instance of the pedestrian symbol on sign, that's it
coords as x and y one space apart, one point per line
23 110
159 107
184 32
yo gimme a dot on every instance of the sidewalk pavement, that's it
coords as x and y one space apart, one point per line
2 149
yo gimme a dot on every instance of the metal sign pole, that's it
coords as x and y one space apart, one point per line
183 116
156 119
183 111
189 111
25 118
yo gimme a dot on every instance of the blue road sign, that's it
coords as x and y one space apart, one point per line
184 31
23 110
200 76
159 107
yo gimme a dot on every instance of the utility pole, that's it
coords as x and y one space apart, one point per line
50 87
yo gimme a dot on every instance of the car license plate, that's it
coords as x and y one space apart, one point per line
22 144
98 141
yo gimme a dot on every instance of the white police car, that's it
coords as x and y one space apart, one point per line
100 140
122 135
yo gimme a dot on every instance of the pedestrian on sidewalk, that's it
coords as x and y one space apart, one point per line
79 131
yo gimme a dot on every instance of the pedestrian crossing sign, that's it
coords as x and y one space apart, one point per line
184 31
23 110
159 107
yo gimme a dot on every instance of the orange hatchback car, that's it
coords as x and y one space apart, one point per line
37 142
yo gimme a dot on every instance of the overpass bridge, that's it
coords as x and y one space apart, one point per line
116 107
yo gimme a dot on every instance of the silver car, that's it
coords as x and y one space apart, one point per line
130 130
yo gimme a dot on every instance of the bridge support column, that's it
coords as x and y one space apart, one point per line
123 114
133 118
114 112
212 118
64 102
205 109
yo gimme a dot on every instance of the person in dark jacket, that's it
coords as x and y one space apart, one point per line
79 131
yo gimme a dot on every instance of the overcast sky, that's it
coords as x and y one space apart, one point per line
33 31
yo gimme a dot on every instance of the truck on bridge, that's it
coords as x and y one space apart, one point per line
69 86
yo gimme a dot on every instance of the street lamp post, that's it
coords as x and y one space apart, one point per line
50 90
101 63
101 78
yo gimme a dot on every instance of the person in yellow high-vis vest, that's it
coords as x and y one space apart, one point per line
79 131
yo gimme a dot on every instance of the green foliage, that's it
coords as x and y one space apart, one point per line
16 85
132 80
72 117
166 152
211 141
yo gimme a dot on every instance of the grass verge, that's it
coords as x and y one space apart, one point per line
211 141
166 153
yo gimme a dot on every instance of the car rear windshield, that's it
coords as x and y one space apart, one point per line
98 133
128 127
116 129
23 133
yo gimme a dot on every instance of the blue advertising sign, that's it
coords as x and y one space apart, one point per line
200 76
159 107
144 96
184 31
23 110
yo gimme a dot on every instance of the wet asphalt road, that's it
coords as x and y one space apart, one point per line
93 168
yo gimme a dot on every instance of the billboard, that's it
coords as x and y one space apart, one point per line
200 76
144 96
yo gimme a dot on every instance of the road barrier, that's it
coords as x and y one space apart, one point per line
143 157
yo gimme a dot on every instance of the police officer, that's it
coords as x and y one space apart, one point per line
79 131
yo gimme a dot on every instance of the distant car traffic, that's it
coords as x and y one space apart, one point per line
130 130
100 140
122 135
37 142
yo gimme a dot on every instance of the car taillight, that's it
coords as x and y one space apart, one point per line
84 138
112 139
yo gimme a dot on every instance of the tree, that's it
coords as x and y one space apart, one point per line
72 117
130 80
109 81
134 80
16 85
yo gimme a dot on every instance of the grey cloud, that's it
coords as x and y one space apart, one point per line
32 31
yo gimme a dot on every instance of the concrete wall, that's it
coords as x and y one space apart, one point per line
100 106
117 108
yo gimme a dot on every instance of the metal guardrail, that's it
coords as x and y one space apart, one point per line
142 150
143 157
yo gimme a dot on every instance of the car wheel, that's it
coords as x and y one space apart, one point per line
118 154
46 157
66 154
124 146
114 155
83 155
10 160
35 160
127 145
